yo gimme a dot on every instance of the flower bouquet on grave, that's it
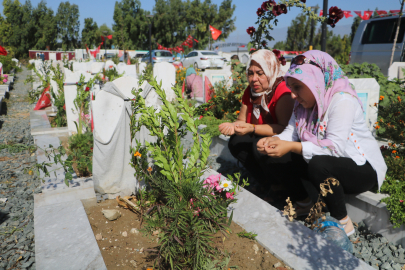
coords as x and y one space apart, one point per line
188 211
3 79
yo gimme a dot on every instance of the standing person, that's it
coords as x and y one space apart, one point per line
266 108
329 133
216 49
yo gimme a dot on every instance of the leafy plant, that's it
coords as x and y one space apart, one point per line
115 59
111 74
248 235
212 125
188 211
58 96
81 151
8 64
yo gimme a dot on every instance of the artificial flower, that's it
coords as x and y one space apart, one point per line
87 89
226 185
229 195
5 76
5 80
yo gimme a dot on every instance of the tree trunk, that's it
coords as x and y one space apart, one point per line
396 33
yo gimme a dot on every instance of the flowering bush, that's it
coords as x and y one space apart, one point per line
180 75
188 211
3 79
267 15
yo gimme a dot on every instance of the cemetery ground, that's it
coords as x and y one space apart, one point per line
124 246
17 182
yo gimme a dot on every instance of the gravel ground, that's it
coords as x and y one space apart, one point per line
17 246
374 249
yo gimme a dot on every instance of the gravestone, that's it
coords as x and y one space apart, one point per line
31 61
395 71
244 58
141 68
120 68
15 60
130 70
72 114
96 67
166 73
368 91
110 65
112 173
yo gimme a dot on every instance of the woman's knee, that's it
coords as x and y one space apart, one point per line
237 144
319 169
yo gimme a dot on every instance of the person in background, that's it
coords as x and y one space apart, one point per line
328 136
266 108
216 49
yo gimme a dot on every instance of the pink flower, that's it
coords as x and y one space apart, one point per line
401 201
229 195
212 182
5 80
5 76
200 117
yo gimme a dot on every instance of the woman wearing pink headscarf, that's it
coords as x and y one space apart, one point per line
266 108
329 132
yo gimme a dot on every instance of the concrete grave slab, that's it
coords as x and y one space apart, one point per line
395 71
96 67
68 243
166 73
142 67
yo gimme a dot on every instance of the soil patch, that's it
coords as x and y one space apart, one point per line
124 252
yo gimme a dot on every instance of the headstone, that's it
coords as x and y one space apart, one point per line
395 71
110 65
244 58
120 68
141 68
112 173
368 91
96 67
72 114
31 61
15 60
130 70
166 73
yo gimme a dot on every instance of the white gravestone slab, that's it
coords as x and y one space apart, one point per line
96 67
31 61
141 68
110 65
72 114
368 91
166 73
130 70
120 68
112 173
395 70
55 90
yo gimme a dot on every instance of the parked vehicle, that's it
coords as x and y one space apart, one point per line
158 56
373 42
203 60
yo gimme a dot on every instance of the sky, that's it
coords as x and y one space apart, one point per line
245 13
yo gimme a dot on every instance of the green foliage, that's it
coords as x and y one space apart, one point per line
186 214
68 25
81 151
58 96
115 59
111 74
44 22
212 124
90 33
14 148
227 102
248 235
395 202
82 102
219 265
8 64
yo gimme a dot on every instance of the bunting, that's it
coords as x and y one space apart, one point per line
366 14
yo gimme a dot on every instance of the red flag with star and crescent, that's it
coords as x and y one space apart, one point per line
215 33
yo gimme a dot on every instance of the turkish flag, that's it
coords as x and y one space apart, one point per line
102 38
395 11
129 61
215 33
44 101
381 12
109 36
367 15
3 51
321 13
347 13
159 46
358 13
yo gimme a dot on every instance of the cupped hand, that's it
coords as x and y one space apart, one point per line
278 148
243 128
227 129
263 142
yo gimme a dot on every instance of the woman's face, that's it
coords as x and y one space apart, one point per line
301 93
257 79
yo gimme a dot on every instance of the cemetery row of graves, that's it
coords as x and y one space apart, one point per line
125 133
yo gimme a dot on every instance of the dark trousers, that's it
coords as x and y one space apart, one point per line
291 168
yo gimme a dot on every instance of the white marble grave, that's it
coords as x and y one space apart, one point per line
72 114
110 65
96 67
141 68
166 73
130 70
368 91
395 71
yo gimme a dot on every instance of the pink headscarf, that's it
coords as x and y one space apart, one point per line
323 85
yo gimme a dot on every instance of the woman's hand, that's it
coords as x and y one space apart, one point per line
227 129
279 148
243 128
263 142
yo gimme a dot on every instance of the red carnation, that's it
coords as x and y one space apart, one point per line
251 30
260 12
277 53
265 4
87 88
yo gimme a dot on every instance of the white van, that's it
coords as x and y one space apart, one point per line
373 42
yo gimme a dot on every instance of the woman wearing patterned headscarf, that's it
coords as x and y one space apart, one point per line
266 108
329 130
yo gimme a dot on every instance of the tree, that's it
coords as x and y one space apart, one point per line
68 25
131 26
104 30
45 23
90 33
280 45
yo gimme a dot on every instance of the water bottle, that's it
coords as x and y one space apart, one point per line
332 230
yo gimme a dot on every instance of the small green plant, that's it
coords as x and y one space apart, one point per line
115 59
111 74
81 150
14 148
8 64
212 124
248 235
58 96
